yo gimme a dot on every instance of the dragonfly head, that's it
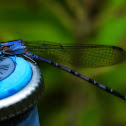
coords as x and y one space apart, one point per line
16 47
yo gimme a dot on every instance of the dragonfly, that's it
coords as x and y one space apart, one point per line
86 55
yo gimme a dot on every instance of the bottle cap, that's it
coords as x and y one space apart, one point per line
20 89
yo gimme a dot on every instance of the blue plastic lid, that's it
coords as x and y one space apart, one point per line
17 80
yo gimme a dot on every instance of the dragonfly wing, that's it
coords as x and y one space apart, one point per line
83 55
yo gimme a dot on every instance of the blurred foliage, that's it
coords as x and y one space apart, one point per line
66 101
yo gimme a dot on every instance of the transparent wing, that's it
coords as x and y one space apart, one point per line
83 55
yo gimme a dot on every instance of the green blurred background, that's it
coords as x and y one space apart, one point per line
67 100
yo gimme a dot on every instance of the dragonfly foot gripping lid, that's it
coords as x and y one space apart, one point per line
20 86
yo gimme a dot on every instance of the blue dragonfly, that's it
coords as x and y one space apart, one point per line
91 56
